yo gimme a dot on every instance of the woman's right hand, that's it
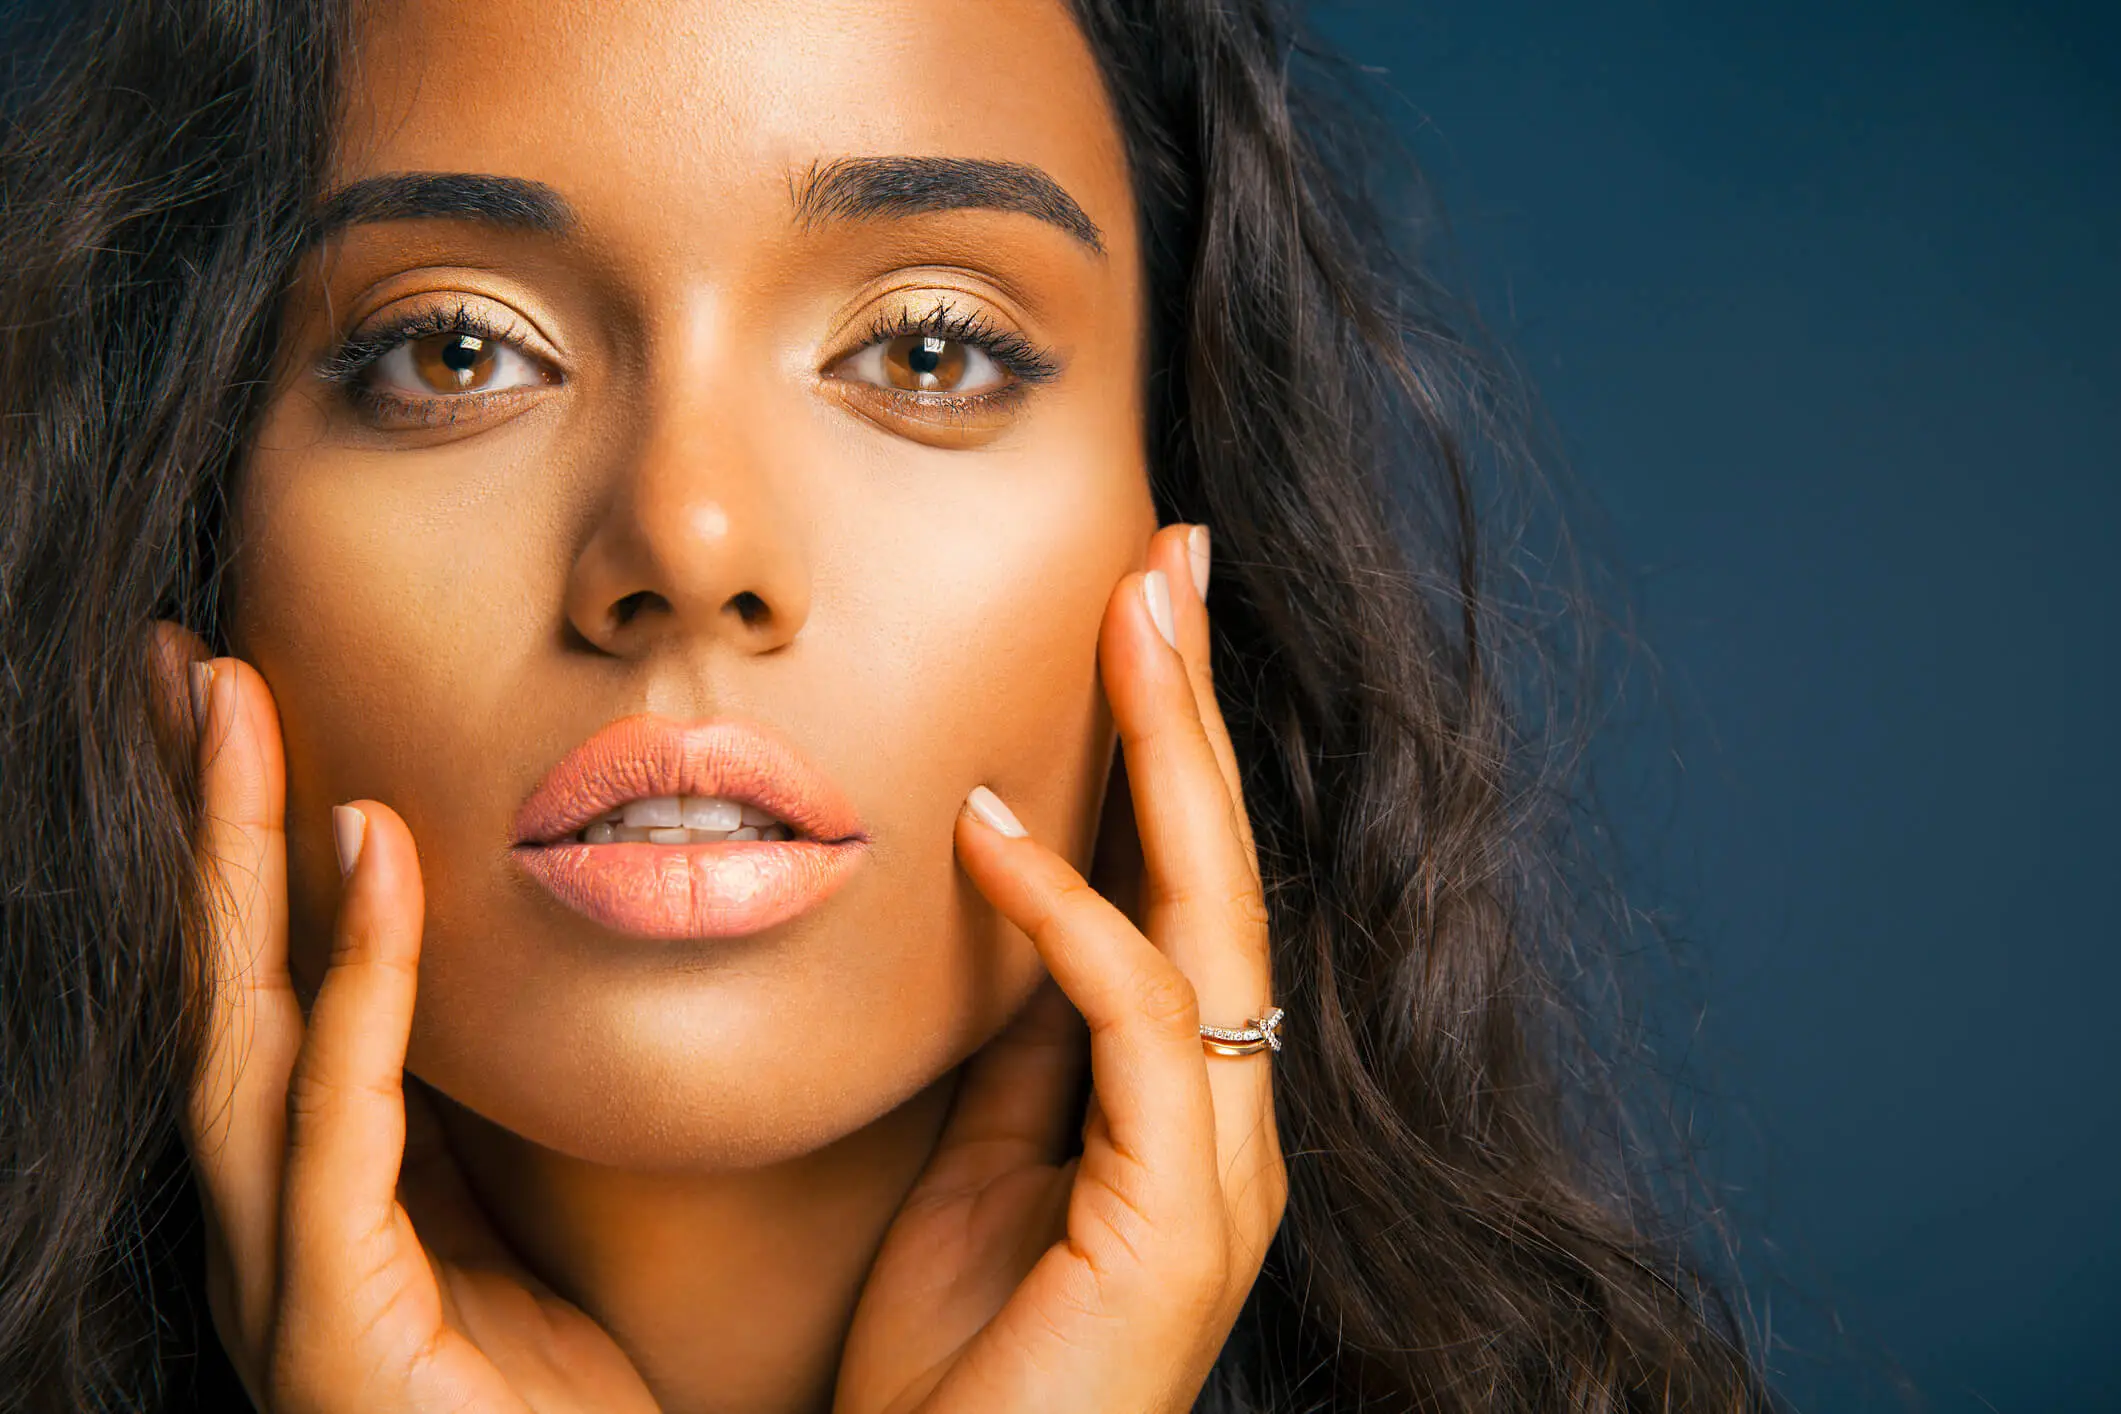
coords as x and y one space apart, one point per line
348 1266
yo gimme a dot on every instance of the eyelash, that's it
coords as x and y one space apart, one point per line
348 366
1024 360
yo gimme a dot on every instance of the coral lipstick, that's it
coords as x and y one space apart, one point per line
716 889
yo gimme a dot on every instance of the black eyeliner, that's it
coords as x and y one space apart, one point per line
1024 359
358 352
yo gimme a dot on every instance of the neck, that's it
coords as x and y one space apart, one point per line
731 1292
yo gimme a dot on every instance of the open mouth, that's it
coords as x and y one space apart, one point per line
685 819
671 830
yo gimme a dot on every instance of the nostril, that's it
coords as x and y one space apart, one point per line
750 608
626 610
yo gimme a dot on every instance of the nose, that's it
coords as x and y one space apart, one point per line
695 540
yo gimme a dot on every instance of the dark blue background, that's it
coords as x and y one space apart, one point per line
1824 300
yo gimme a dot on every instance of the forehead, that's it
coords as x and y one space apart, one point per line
686 115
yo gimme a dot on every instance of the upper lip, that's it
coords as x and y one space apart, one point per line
647 755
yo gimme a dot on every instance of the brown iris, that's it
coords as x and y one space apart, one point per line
924 363
454 363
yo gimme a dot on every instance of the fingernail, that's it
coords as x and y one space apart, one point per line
1197 557
1158 594
202 690
987 808
349 830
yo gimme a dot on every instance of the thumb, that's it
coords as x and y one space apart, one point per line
342 1229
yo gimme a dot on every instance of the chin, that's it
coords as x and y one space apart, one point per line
715 1055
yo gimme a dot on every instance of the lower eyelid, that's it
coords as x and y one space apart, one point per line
903 405
410 414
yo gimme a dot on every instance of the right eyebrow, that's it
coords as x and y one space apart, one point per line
515 203
861 188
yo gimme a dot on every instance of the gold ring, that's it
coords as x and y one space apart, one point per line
1261 1033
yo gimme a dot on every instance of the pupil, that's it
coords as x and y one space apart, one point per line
461 353
926 356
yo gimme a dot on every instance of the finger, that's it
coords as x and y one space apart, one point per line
1205 909
1202 893
1185 554
342 1224
235 1114
1017 1099
1145 1053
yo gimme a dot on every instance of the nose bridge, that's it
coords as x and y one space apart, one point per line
696 536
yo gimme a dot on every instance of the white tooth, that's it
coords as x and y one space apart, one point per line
747 833
708 836
600 832
776 833
678 835
657 812
629 834
707 812
755 816
617 817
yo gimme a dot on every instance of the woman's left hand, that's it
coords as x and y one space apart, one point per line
1012 1281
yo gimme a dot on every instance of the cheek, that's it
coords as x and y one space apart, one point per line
386 628
981 601
1027 690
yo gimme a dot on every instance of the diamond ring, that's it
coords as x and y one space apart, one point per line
1261 1033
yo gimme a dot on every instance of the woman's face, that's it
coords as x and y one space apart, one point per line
801 392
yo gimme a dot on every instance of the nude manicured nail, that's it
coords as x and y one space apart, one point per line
202 689
349 830
988 809
1197 558
1157 591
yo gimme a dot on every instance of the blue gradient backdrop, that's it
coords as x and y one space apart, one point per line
1825 300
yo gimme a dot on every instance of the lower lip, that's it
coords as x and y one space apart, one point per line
721 890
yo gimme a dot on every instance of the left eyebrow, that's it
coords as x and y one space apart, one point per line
513 203
863 188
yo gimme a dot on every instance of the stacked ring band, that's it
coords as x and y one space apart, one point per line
1261 1033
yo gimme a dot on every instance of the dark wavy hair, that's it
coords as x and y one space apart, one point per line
1469 1223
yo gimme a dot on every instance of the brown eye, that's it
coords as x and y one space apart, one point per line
454 363
925 363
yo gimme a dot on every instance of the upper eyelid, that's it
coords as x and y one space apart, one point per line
353 359
913 307
921 285
444 302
